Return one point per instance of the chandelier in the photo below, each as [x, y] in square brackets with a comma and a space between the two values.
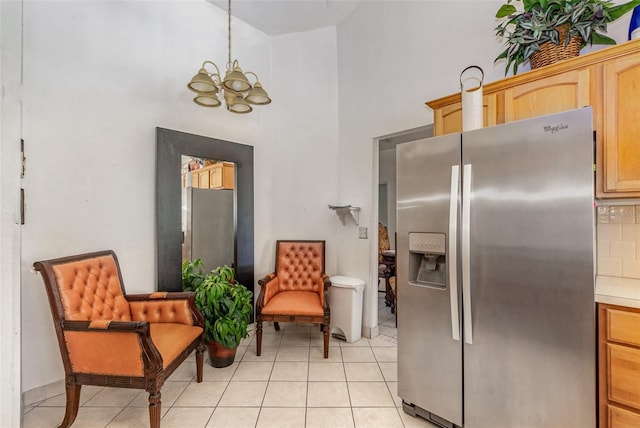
[236, 89]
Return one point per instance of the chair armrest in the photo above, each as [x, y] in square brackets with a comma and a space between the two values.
[160, 295]
[162, 307]
[268, 288]
[326, 282]
[119, 348]
[106, 326]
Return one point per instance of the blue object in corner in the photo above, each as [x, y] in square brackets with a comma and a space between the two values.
[634, 25]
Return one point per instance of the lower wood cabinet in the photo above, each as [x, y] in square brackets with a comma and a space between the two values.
[621, 418]
[619, 366]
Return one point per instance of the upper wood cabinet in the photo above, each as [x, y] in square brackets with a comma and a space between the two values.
[608, 80]
[566, 91]
[449, 118]
[219, 175]
[621, 124]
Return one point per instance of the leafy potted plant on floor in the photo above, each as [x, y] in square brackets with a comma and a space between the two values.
[192, 274]
[546, 31]
[226, 308]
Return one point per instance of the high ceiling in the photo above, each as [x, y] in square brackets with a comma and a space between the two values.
[276, 17]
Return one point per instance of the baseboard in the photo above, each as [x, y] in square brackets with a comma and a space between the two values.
[43, 392]
[370, 332]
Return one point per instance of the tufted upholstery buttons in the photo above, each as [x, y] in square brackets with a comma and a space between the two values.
[90, 290]
[295, 292]
[300, 266]
[161, 311]
[111, 349]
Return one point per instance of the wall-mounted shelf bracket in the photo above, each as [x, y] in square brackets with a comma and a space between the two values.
[346, 210]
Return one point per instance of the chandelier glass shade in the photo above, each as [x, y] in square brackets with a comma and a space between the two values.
[238, 92]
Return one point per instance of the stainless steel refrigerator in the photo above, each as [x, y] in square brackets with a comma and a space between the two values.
[210, 231]
[495, 271]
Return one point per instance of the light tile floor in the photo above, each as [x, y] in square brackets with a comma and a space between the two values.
[289, 385]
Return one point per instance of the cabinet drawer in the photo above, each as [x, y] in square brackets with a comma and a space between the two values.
[623, 327]
[624, 375]
[621, 418]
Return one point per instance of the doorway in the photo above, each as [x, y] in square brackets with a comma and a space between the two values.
[384, 212]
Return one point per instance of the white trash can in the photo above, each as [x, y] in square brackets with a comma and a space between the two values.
[345, 301]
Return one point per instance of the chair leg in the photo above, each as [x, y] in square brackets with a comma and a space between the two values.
[325, 333]
[388, 300]
[393, 301]
[258, 337]
[154, 409]
[199, 361]
[276, 325]
[73, 402]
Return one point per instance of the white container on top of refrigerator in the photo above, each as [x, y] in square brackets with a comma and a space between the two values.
[495, 271]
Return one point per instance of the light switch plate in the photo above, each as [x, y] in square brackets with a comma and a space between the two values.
[363, 232]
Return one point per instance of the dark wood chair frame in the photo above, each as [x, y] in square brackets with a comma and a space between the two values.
[154, 374]
[389, 271]
[324, 321]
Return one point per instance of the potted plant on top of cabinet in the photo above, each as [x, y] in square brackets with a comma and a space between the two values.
[546, 31]
[225, 306]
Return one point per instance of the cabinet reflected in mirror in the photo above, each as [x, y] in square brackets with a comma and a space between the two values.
[170, 147]
[208, 211]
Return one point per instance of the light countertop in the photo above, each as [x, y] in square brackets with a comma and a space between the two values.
[614, 290]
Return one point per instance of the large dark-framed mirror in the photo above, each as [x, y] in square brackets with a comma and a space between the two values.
[170, 147]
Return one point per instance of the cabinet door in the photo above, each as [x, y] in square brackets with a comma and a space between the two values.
[621, 418]
[553, 94]
[624, 375]
[448, 119]
[621, 125]
[216, 177]
[203, 179]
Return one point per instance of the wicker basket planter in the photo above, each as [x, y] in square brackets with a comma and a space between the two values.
[551, 53]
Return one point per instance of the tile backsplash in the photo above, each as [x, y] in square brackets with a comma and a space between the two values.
[618, 237]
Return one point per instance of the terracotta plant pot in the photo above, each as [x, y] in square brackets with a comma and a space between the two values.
[219, 356]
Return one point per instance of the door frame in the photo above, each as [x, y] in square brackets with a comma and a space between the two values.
[384, 142]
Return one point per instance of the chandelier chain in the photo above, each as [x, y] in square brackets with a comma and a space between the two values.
[235, 87]
[229, 65]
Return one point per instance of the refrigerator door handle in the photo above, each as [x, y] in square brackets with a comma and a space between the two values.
[466, 260]
[453, 251]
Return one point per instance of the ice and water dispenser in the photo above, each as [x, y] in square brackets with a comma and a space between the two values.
[427, 259]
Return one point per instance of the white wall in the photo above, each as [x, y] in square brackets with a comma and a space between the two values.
[392, 57]
[300, 164]
[10, 128]
[98, 78]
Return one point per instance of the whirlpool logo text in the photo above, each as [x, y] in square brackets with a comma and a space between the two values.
[555, 128]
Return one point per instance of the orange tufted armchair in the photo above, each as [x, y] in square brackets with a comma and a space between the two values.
[108, 338]
[296, 291]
